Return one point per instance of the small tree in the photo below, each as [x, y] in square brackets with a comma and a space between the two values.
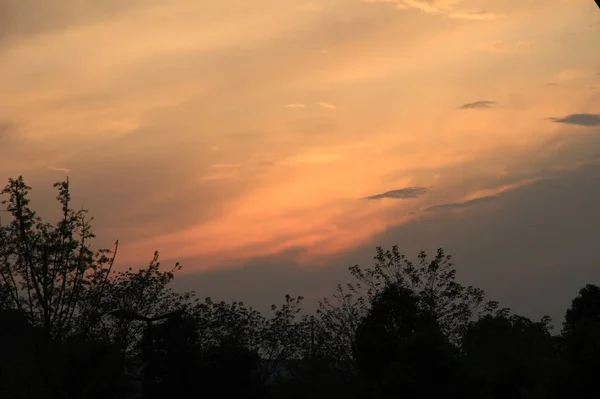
[584, 310]
[145, 292]
[281, 337]
[433, 281]
[399, 348]
[508, 356]
[339, 319]
[49, 272]
[50, 276]
[580, 346]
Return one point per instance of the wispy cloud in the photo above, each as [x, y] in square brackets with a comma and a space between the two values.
[446, 7]
[314, 158]
[474, 15]
[58, 169]
[403, 193]
[6, 130]
[478, 105]
[327, 105]
[579, 119]
[461, 205]
[432, 6]
[503, 47]
[138, 136]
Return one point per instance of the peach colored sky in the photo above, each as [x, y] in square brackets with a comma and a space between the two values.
[231, 129]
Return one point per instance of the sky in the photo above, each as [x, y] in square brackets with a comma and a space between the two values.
[270, 144]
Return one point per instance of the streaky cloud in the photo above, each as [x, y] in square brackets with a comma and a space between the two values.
[432, 7]
[474, 15]
[58, 168]
[7, 129]
[327, 105]
[403, 193]
[579, 119]
[478, 105]
[461, 205]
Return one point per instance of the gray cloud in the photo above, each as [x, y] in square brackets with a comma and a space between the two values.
[532, 252]
[474, 15]
[478, 105]
[34, 17]
[7, 131]
[501, 168]
[403, 193]
[461, 205]
[579, 119]
[261, 281]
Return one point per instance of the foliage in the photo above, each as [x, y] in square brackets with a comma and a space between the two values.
[580, 349]
[18, 360]
[338, 320]
[399, 345]
[275, 339]
[585, 308]
[145, 292]
[49, 271]
[171, 360]
[61, 289]
[508, 356]
[433, 281]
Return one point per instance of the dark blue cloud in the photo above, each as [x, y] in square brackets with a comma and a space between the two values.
[403, 193]
[478, 105]
[579, 119]
[461, 205]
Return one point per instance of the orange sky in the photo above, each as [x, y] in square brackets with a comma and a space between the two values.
[233, 129]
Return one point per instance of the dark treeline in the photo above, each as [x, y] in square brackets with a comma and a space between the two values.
[71, 327]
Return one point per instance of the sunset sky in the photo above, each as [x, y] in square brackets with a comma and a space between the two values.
[269, 144]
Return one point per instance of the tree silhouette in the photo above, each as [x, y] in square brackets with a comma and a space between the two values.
[507, 356]
[584, 310]
[47, 271]
[142, 292]
[231, 370]
[97, 370]
[56, 290]
[580, 346]
[50, 275]
[172, 360]
[433, 281]
[70, 328]
[400, 348]
[19, 376]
